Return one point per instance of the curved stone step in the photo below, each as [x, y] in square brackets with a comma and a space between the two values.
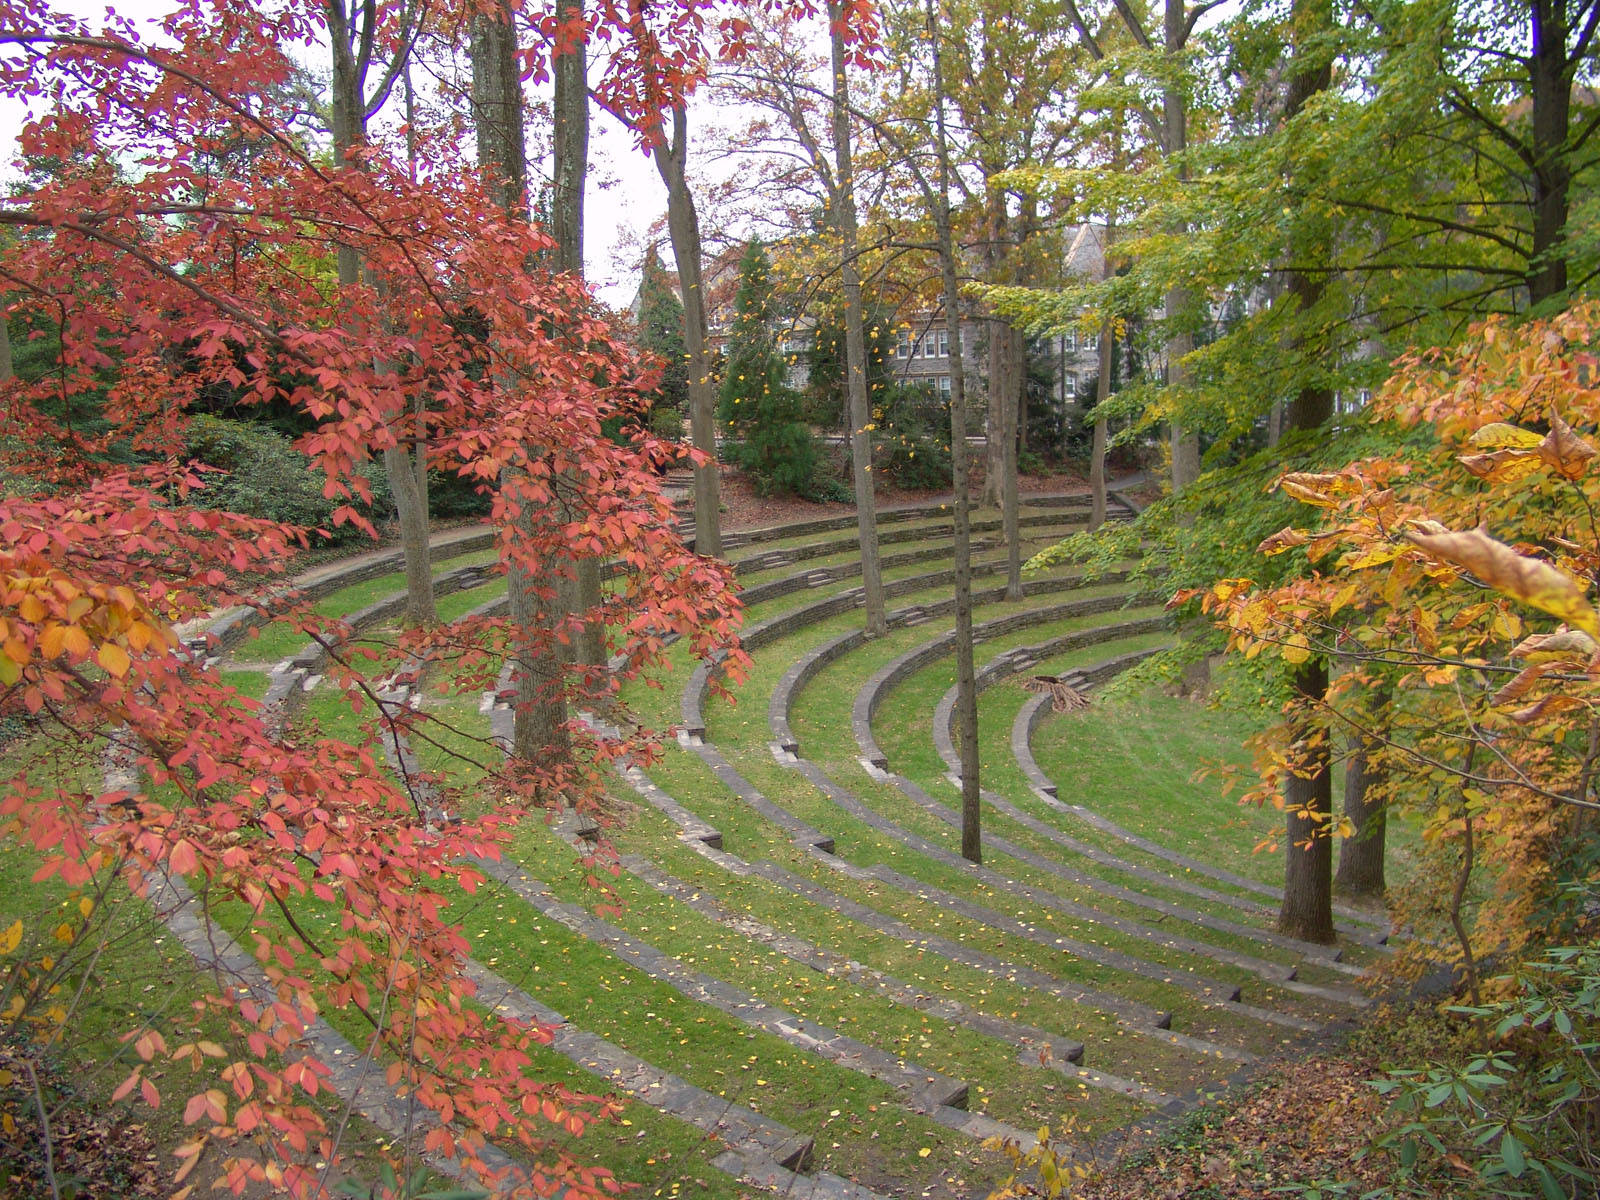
[920, 1089]
[743, 1131]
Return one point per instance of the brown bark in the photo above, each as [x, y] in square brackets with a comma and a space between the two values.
[1007, 364]
[1360, 870]
[1102, 393]
[539, 732]
[855, 339]
[966, 683]
[7, 371]
[570, 110]
[1307, 911]
[671, 155]
[1174, 141]
[1550, 74]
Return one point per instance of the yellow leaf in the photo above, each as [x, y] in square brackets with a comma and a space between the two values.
[1296, 650]
[1323, 490]
[64, 933]
[924, 1152]
[1527, 579]
[1500, 436]
[1503, 466]
[11, 938]
[1507, 625]
[114, 659]
[1284, 540]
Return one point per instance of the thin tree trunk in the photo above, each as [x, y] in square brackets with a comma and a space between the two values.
[966, 683]
[1174, 141]
[1009, 384]
[540, 727]
[855, 338]
[571, 169]
[7, 371]
[1102, 394]
[407, 475]
[683, 225]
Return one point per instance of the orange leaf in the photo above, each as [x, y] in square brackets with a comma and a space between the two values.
[1284, 540]
[1564, 450]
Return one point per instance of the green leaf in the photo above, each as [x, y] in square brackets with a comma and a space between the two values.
[1511, 1154]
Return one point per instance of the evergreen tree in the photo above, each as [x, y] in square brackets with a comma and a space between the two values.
[759, 410]
[661, 333]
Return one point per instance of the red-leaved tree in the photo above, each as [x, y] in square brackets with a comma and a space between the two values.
[175, 234]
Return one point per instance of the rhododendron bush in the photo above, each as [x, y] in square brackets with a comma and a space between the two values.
[176, 232]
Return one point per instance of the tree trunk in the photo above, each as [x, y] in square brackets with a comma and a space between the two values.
[1360, 871]
[966, 682]
[855, 339]
[1006, 380]
[570, 110]
[1551, 101]
[1102, 394]
[406, 467]
[7, 371]
[683, 225]
[540, 729]
[1174, 141]
[1307, 911]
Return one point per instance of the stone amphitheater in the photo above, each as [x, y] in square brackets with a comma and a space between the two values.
[807, 991]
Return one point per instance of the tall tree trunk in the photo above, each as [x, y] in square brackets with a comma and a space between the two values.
[7, 371]
[1360, 870]
[671, 155]
[570, 110]
[1174, 141]
[966, 681]
[855, 338]
[1551, 105]
[540, 727]
[405, 462]
[1307, 911]
[1102, 394]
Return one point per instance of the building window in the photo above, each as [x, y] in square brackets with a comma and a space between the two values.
[902, 348]
[944, 387]
[1069, 340]
[944, 343]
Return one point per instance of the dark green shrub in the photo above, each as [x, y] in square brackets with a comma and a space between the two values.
[912, 439]
[761, 415]
[261, 474]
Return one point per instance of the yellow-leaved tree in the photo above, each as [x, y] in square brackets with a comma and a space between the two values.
[1454, 580]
